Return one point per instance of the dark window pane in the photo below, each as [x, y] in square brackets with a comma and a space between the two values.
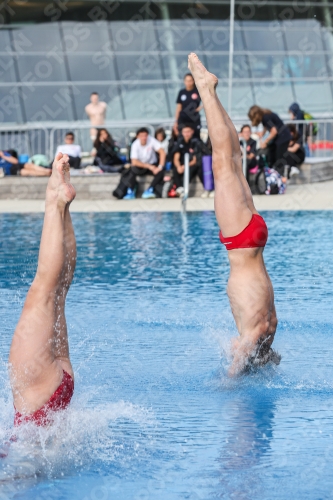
[304, 36]
[48, 103]
[41, 68]
[4, 39]
[91, 67]
[273, 95]
[242, 97]
[327, 40]
[314, 96]
[107, 93]
[175, 66]
[303, 65]
[85, 36]
[219, 65]
[263, 66]
[37, 37]
[179, 37]
[144, 101]
[269, 38]
[218, 39]
[7, 70]
[139, 67]
[138, 36]
[10, 109]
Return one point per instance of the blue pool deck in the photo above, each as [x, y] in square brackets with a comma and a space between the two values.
[154, 415]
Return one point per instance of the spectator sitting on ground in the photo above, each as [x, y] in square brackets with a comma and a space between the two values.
[251, 150]
[144, 161]
[296, 153]
[107, 152]
[278, 138]
[161, 137]
[72, 150]
[9, 165]
[186, 143]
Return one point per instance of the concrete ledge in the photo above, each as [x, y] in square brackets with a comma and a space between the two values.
[314, 170]
[317, 196]
[88, 187]
[100, 187]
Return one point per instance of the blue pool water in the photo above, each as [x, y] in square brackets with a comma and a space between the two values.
[154, 415]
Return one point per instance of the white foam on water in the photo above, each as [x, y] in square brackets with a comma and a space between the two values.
[79, 436]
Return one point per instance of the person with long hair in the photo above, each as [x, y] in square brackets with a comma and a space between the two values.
[278, 138]
[41, 373]
[107, 152]
[243, 232]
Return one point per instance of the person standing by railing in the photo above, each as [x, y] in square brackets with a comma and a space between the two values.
[96, 111]
[188, 107]
[296, 113]
[278, 138]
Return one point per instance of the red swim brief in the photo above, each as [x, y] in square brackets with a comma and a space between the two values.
[254, 235]
[59, 401]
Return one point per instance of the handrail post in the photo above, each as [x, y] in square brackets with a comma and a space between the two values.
[186, 179]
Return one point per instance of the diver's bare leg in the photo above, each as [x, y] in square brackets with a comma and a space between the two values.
[233, 200]
[39, 350]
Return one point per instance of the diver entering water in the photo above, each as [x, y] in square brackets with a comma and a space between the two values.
[243, 232]
[41, 373]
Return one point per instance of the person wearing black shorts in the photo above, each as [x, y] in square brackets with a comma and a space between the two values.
[10, 165]
[188, 107]
[186, 143]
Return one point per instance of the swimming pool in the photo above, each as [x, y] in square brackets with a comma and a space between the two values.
[154, 415]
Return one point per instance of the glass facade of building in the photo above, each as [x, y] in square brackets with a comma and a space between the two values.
[53, 55]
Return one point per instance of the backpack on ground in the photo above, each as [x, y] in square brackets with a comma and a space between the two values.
[274, 182]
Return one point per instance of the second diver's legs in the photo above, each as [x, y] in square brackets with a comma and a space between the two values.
[39, 351]
[233, 200]
[30, 169]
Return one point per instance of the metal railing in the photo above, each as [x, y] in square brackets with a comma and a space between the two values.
[121, 132]
[44, 138]
[25, 139]
[186, 180]
[317, 134]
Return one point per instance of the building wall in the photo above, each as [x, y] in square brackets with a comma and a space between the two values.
[53, 55]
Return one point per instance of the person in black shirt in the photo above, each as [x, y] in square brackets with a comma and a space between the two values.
[188, 107]
[107, 152]
[296, 154]
[186, 143]
[278, 139]
[251, 148]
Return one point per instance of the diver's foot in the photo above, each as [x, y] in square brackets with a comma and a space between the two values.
[203, 79]
[59, 187]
